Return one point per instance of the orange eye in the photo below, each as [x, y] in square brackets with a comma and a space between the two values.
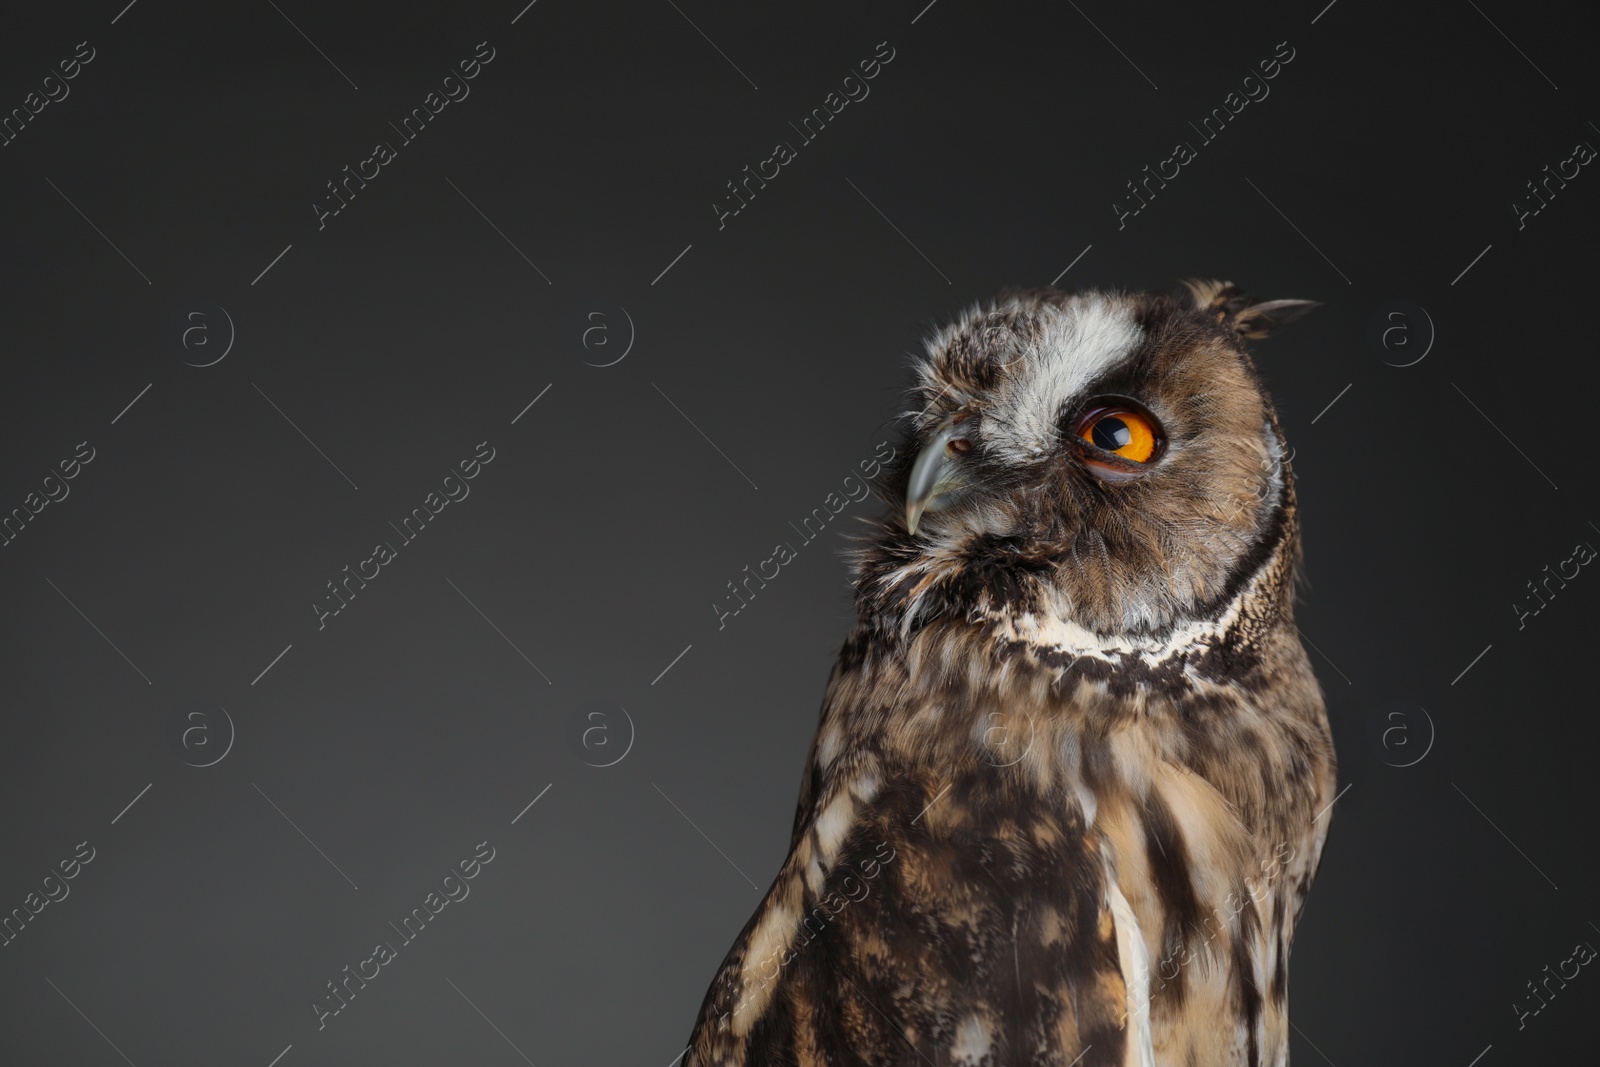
[1122, 431]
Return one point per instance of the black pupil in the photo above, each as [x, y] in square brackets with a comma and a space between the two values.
[1110, 433]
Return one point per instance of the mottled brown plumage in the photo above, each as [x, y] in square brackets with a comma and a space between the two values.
[1068, 792]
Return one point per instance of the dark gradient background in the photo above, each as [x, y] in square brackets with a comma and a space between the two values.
[461, 684]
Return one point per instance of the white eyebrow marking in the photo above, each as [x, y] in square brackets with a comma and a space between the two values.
[1076, 344]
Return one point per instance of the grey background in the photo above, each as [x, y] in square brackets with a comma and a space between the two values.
[413, 327]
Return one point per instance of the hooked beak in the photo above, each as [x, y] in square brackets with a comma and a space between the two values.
[935, 474]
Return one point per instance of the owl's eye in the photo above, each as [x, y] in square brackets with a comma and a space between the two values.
[1121, 428]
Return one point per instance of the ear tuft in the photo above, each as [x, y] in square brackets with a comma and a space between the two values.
[1231, 308]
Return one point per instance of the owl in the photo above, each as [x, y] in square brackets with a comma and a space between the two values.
[1073, 771]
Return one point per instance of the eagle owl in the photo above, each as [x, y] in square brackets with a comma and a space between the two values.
[1070, 785]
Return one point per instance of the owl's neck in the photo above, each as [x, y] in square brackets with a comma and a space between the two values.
[1231, 638]
[1259, 597]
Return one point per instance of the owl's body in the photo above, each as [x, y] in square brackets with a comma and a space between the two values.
[1070, 785]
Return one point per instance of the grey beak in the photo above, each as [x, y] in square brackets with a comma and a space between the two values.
[934, 474]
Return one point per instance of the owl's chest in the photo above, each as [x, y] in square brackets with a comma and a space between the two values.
[1200, 785]
[1203, 805]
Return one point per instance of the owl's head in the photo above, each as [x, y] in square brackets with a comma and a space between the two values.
[1106, 463]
